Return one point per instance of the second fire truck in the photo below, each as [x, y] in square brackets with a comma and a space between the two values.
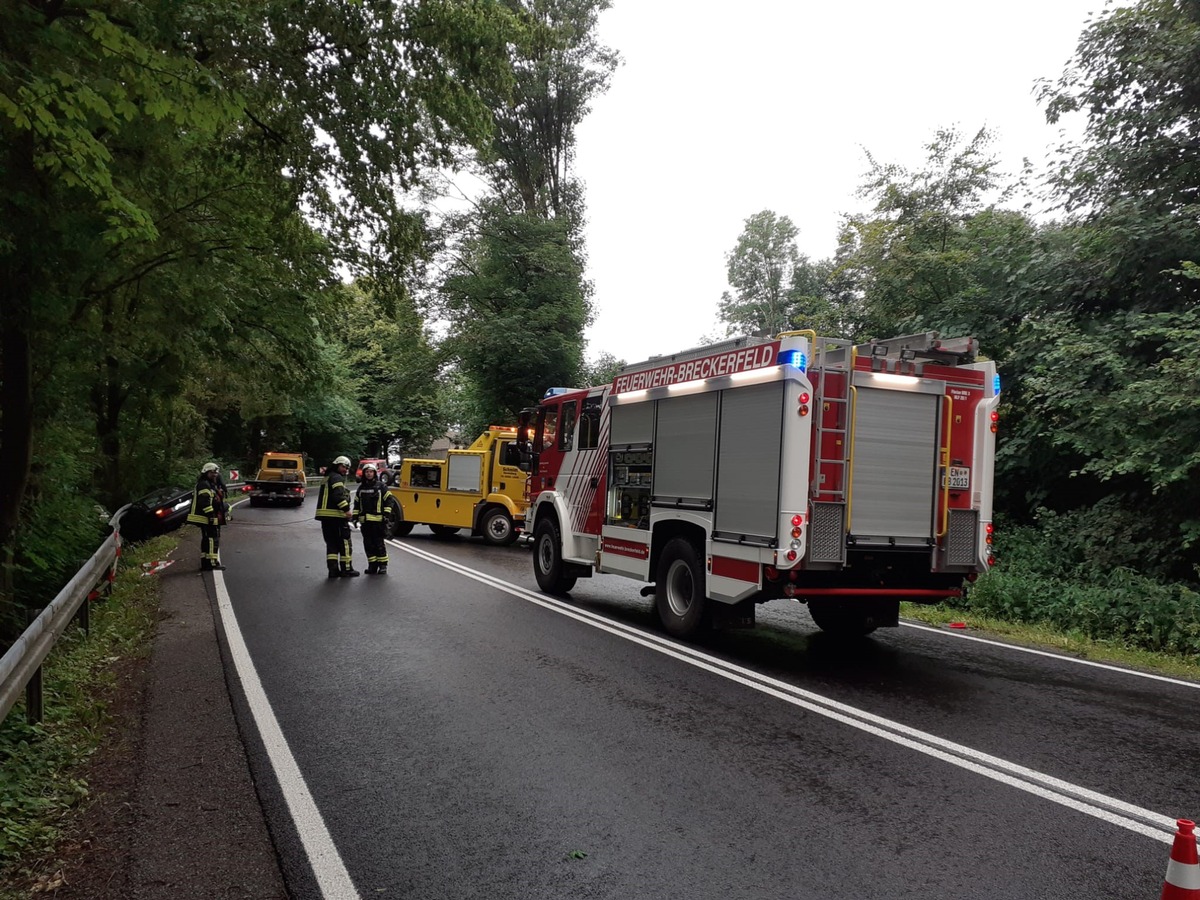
[849, 477]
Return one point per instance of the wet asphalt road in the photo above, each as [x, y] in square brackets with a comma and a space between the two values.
[464, 741]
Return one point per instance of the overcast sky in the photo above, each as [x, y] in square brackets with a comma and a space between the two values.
[769, 105]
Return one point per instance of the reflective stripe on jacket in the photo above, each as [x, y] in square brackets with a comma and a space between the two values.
[371, 501]
[333, 502]
[204, 504]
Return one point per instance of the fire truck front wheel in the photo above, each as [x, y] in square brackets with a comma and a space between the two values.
[548, 565]
[680, 594]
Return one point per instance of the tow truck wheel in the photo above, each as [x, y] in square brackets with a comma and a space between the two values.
[548, 565]
[497, 527]
[395, 526]
[679, 594]
[841, 618]
[254, 501]
[443, 531]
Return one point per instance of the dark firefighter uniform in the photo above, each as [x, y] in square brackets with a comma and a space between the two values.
[205, 512]
[333, 509]
[370, 510]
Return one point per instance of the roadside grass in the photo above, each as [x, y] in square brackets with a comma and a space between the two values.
[1043, 636]
[42, 766]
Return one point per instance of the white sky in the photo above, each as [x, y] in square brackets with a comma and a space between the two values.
[769, 104]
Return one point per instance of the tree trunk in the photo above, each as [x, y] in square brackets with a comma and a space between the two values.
[16, 370]
[108, 398]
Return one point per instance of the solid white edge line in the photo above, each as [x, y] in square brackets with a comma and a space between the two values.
[1071, 659]
[1030, 780]
[330, 872]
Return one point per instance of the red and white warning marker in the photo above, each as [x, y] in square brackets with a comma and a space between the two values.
[153, 568]
[1183, 871]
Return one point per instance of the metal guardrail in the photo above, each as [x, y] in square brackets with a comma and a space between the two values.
[21, 666]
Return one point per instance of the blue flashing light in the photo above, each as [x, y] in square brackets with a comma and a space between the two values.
[996, 386]
[793, 358]
[555, 391]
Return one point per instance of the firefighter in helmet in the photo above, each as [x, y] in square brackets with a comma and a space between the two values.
[206, 512]
[371, 504]
[333, 509]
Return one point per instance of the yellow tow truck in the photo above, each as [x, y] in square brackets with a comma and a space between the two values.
[481, 488]
[280, 479]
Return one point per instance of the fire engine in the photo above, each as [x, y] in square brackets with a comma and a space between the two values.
[845, 476]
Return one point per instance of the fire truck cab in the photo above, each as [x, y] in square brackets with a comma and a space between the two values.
[849, 477]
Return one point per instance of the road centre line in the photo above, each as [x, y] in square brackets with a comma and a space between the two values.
[332, 878]
[1133, 818]
[1195, 685]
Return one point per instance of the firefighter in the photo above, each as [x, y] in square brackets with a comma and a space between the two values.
[205, 512]
[333, 509]
[370, 510]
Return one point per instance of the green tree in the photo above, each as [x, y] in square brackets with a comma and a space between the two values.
[517, 312]
[514, 289]
[394, 369]
[760, 269]
[1100, 424]
[602, 371]
[558, 70]
[157, 153]
[938, 249]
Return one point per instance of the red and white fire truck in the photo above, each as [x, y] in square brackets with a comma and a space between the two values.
[849, 477]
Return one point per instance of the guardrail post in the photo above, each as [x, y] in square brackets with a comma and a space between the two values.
[33, 690]
[85, 612]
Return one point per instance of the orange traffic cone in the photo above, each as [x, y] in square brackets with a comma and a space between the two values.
[1183, 871]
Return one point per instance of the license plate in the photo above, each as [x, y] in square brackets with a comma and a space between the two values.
[959, 478]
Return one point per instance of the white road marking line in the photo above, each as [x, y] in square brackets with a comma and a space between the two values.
[1062, 656]
[332, 878]
[1133, 818]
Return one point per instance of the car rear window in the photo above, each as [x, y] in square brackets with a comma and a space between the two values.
[282, 464]
[162, 496]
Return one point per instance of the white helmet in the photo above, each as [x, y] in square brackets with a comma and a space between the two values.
[369, 467]
[210, 467]
[342, 461]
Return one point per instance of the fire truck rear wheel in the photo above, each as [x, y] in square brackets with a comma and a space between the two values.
[680, 592]
[548, 565]
[840, 618]
[497, 527]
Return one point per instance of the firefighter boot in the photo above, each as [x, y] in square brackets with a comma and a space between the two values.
[334, 572]
[373, 569]
[383, 568]
[350, 573]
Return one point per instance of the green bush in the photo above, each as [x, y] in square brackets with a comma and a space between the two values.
[1046, 577]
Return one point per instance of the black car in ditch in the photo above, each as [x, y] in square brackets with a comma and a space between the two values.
[156, 513]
